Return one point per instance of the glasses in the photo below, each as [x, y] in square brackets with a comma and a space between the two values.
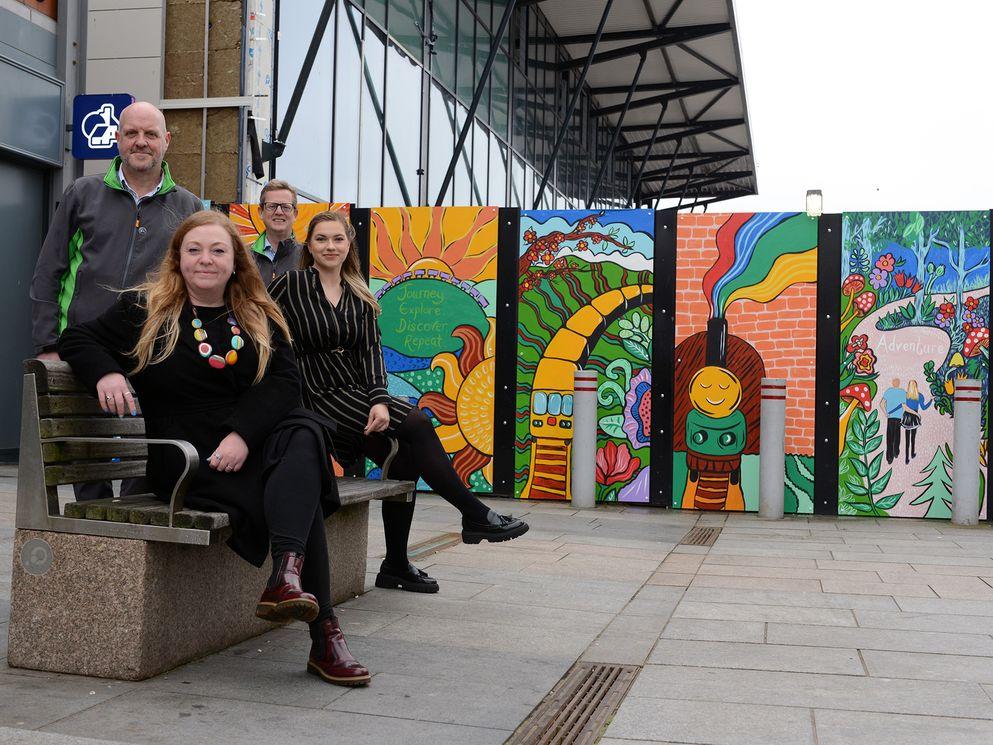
[272, 207]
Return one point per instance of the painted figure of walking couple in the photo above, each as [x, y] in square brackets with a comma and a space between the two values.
[902, 408]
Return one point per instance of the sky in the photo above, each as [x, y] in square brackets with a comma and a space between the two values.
[881, 104]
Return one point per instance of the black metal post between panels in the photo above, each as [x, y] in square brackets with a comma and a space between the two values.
[477, 96]
[648, 150]
[560, 138]
[278, 144]
[683, 192]
[669, 171]
[617, 131]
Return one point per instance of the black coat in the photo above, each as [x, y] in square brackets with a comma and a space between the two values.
[184, 398]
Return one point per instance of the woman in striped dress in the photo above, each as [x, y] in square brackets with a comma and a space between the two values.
[332, 317]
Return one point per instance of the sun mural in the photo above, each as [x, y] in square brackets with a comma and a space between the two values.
[433, 271]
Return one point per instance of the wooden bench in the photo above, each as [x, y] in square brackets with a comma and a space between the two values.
[132, 586]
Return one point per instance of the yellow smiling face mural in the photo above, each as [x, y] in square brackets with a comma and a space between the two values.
[715, 392]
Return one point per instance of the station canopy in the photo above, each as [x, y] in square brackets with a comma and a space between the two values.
[685, 126]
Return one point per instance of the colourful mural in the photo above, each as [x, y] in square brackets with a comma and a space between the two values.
[914, 320]
[434, 272]
[248, 218]
[745, 309]
[585, 300]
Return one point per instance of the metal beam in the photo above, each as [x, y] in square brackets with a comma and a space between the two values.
[691, 129]
[644, 159]
[719, 155]
[652, 175]
[477, 96]
[712, 180]
[690, 89]
[667, 37]
[607, 90]
[574, 99]
[666, 179]
[728, 175]
[272, 150]
[723, 197]
[616, 133]
[705, 60]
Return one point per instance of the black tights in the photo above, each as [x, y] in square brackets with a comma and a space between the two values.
[420, 456]
[292, 502]
[910, 451]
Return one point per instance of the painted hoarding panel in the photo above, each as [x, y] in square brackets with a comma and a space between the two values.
[585, 300]
[745, 309]
[914, 320]
[433, 270]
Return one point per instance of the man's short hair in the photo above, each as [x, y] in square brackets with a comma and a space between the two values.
[278, 185]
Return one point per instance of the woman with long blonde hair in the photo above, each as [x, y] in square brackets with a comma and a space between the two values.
[332, 315]
[208, 354]
[911, 422]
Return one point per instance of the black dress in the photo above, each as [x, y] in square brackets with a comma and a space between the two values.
[184, 398]
[340, 355]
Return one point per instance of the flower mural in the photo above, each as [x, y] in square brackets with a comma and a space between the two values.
[615, 464]
[638, 409]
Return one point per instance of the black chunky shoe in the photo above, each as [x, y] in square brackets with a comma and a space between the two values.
[497, 528]
[410, 579]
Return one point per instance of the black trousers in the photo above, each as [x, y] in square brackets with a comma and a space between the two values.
[892, 439]
[421, 455]
[292, 502]
[105, 489]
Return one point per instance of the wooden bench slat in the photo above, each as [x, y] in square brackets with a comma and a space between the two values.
[353, 490]
[53, 377]
[69, 406]
[78, 473]
[105, 426]
[59, 452]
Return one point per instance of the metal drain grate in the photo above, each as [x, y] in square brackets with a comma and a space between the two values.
[579, 706]
[433, 545]
[700, 537]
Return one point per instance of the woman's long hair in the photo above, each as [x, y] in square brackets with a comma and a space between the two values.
[912, 391]
[351, 270]
[164, 295]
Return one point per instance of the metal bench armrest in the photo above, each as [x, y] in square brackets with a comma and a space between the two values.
[189, 470]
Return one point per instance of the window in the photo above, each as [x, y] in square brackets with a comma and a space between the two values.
[539, 403]
[554, 404]
[498, 173]
[406, 17]
[403, 128]
[348, 82]
[466, 73]
[371, 132]
[443, 26]
[441, 143]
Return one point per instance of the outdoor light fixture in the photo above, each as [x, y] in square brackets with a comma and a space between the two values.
[815, 203]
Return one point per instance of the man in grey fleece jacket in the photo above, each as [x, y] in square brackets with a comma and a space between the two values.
[108, 232]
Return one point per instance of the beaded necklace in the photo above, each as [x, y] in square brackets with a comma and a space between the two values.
[215, 360]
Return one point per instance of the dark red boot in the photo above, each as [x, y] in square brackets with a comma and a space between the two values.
[330, 658]
[285, 600]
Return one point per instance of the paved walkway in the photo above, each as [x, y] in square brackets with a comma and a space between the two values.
[807, 630]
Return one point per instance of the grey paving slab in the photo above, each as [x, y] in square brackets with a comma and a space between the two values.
[756, 583]
[784, 572]
[759, 561]
[453, 700]
[257, 679]
[151, 716]
[947, 605]
[905, 558]
[884, 664]
[744, 656]
[843, 692]
[713, 630]
[883, 619]
[845, 728]
[896, 589]
[780, 613]
[797, 599]
[710, 723]
[464, 636]
[891, 639]
[743, 548]
[619, 649]
[12, 736]
[30, 701]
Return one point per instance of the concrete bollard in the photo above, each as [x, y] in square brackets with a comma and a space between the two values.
[772, 448]
[965, 448]
[584, 440]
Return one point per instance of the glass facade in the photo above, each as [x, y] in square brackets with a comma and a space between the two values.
[390, 91]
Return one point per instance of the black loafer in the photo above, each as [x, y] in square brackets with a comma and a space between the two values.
[497, 528]
[410, 579]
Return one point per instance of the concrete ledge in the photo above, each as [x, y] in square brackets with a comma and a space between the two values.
[128, 609]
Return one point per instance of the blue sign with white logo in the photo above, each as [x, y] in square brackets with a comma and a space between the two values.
[95, 119]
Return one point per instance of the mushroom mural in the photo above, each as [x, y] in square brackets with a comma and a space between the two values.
[977, 340]
[854, 395]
